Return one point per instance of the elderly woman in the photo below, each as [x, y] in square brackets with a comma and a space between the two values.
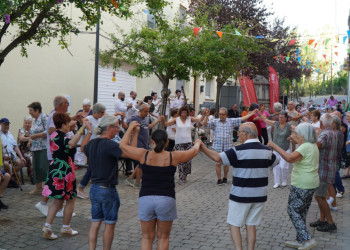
[85, 112]
[157, 205]
[23, 141]
[304, 181]
[281, 131]
[38, 145]
[61, 183]
[183, 138]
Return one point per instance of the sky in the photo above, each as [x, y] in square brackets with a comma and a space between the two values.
[313, 15]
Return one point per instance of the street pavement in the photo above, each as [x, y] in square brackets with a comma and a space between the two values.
[201, 223]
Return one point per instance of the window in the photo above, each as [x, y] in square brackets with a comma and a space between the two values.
[179, 83]
[182, 14]
[207, 88]
[151, 22]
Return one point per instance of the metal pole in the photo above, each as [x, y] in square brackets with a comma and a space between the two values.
[348, 60]
[97, 49]
[332, 69]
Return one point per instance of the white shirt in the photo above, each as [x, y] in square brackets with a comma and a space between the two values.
[156, 106]
[119, 106]
[170, 131]
[131, 111]
[94, 123]
[9, 141]
[183, 131]
[176, 103]
[316, 125]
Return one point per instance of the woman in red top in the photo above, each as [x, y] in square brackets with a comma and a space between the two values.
[255, 119]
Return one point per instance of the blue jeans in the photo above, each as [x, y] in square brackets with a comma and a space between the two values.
[86, 178]
[105, 204]
[338, 183]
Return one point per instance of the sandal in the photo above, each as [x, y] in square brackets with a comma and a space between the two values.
[345, 176]
[68, 231]
[48, 234]
[181, 182]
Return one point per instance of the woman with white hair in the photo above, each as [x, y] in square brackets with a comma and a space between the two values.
[281, 131]
[304, 181]
[85, 112]
[24, 142]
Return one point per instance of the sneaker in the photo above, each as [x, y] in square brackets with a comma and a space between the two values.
[48, 234]
[318, 223]
[340, 195]
[308, 244]
[42, 208]
[333, 208]
[68, 231]
[82, 194]
[329, 201]
[276, 185]
[293, 244]
[224, 181]
[219, 182]
[3, 206]
[327, 227]
[130, 182]
[59, 213]
[137, 185]
[284, 184]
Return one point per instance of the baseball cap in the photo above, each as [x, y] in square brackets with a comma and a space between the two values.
[4, 120]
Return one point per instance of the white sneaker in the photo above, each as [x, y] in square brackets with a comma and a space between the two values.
[276, 185]
[59, 214]
[284, 184]
[308, 244]
[333, 208]
[339, 195]
[329, 201]
[42, 208]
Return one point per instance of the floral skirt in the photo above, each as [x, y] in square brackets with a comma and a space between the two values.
[185, 167]
[60, 182]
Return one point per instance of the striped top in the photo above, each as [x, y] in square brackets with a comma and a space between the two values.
[250, 162]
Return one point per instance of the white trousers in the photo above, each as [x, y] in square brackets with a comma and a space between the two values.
[281, 169]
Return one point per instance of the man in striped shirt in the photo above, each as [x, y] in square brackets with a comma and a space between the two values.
[250, 162]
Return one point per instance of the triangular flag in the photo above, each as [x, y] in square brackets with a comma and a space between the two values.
[237, 33]
[288, 54]
[282, 57]
[299, 58]
[259, 37]
[348, 33]
[219, 33]
[287, 58]
[326, 63]
[274, 40]
[306, 49]
[196, 30]
[327, 40]
[308, 63]
[336, 53]
[315, 45]
[311, 41]
[324, 57]
[275, 57]
[297, 52]
[292, 42]
[344, 39]
[323, 42]
[114, 2]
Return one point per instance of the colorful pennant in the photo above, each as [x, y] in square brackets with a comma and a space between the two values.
[196, 30]
[292, 42]
[237, 33]
[219, 33]
[311, 41]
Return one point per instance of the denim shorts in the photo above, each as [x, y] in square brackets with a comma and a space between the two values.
[105, 204]
[158, 207]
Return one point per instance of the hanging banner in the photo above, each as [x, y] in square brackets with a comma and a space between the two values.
[274, 88]
[248, 91]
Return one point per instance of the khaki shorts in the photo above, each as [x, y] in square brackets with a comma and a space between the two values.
[240, 214]
[322, 189]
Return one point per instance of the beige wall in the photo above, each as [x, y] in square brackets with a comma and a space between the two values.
[50, 71]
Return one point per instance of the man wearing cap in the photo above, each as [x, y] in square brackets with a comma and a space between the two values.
[8, 141]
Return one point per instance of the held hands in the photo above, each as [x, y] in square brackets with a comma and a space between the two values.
[87, 125]
[271, 144]
[133, 126]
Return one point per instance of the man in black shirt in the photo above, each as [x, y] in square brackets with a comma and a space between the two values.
[233, 113]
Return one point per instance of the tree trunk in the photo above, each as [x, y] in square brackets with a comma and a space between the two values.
[219, 83]
[165, 96]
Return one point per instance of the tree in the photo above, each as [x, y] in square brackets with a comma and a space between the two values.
[40, 21]
[164, 51]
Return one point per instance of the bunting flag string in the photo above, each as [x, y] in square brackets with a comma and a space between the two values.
[219, 33]
[311, 41]
[292, 42]
[237, 33]
[196, 30]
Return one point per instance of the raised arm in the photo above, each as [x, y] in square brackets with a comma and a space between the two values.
[215, 156]
[291, 158]
[246, 117]
[169, 123]
[183, 156]
[267, 121]
[128, 151]
[74, 141]
[205, 113]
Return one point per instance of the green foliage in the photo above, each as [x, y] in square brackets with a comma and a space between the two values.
[39, 21]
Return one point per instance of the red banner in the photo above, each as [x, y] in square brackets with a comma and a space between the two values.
[274, 88]
[248, 90]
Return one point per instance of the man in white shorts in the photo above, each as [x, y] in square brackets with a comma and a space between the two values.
[250, 162]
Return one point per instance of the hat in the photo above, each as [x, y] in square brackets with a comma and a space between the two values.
[4, 120]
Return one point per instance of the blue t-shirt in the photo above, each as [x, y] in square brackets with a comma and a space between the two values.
[103, 155]
[142, 140]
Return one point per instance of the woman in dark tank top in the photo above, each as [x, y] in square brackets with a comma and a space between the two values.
[157, 207]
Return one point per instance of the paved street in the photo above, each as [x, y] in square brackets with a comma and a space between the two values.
[202, 208]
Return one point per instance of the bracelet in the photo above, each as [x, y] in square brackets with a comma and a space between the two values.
[90, 132]
[81, 130]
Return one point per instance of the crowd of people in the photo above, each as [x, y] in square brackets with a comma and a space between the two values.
[314, 138]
